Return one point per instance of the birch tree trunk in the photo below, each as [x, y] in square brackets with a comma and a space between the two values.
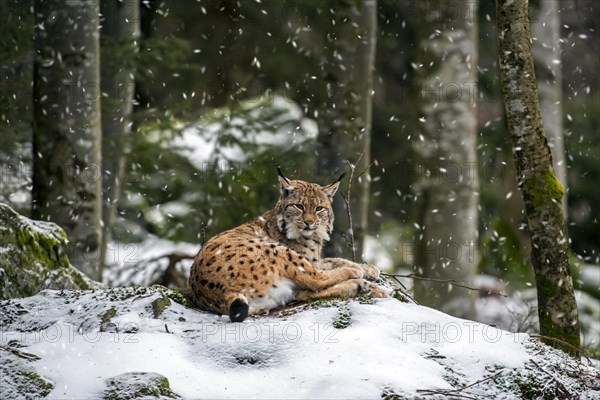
[542, 192]
[120, 35]
[547, 56]
[345, 118]
[66, 143]
[447, 186]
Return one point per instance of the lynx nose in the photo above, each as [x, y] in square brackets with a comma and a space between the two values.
[308, 225]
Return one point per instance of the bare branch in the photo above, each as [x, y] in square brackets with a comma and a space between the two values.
[19, 353]
[455, 393]
[363, 171]
[202, 233]
[560, 387]
[448, 281]
[562, 342]
[346, 198]
[402, 289]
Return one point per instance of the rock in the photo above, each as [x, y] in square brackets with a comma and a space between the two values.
[18, 380]
[33, 257]
[138, 385]
[109, 344]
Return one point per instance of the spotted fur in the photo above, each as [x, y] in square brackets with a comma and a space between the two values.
[276, 258]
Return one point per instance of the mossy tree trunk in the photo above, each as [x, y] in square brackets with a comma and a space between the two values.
[542, 192]
[346, 113]
[120, 43]
[66, 145]
[546, 55]
[447, 184]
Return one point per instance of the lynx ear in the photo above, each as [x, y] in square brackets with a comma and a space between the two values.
[332, 188]
[285, 185]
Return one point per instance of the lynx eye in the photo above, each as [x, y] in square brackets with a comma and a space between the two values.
[319, 208]
[299, 207]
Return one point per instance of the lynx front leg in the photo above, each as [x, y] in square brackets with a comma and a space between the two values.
[350, 288]
[307, 277]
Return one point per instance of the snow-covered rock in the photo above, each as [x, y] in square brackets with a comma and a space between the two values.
[33, 257]
[136, 385]
[90, 343]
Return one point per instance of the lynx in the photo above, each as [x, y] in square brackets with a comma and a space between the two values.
[276, 258]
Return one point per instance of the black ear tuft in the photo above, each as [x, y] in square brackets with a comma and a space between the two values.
[281, 174]
[285, 184]
[333, 187]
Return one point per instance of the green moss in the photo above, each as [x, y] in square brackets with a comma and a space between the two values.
[35, 258]
[18, 377]
[321, 303]
[530, 386]
[401, 297]
[180, 296]
[343, 319]
[160, 305]
[108, 315]
[550, 188]
[137, 385]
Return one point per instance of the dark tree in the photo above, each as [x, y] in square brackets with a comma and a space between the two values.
[346, 113]
[66, 144]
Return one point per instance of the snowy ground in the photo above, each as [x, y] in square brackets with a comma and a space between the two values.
[146, 263]
[338, 349]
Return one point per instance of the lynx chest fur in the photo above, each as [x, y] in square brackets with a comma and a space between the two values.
[276, 258]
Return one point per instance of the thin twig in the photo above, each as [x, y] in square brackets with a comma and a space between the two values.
[562, 342]
[398, 281]
[449, 281]
[347, 201]
[403, 292]
[202, 233]
[19, 353]
[445, 392]
[456, 392]
[364, 170]
[346, 239]
[559, 385]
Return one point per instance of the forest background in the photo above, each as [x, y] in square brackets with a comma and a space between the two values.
[211, 96]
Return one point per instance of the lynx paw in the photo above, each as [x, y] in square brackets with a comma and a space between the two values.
[371, 290]
[370, 271]
[377, 292]
[364, 288]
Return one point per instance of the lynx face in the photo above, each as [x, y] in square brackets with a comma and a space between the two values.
[304, 209]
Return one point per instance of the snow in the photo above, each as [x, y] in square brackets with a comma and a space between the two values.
[389, 344]
[375, 253]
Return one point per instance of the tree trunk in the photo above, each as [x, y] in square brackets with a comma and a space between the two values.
[447, 186]
[546, 54]
[120, 36]
[66, 144]
[345, 119]
[542, 192]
